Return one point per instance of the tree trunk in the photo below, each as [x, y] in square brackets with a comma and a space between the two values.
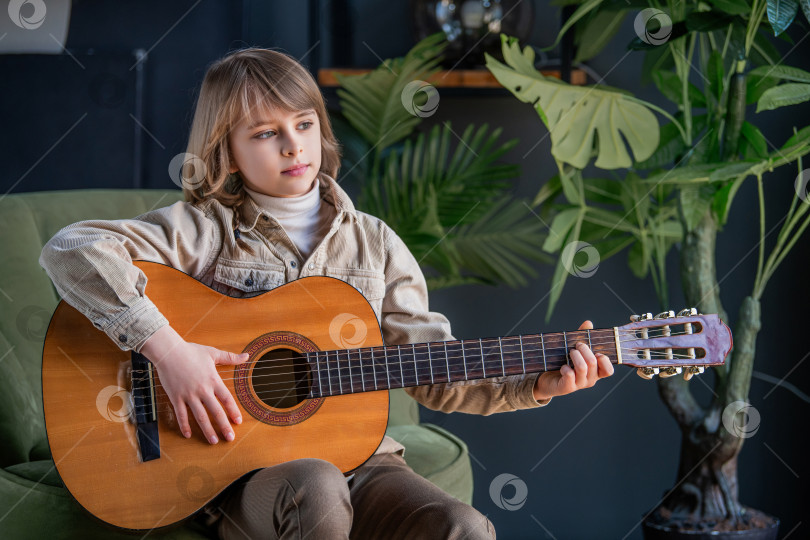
[706, 485]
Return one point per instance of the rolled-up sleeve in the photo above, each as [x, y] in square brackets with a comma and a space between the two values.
[406, 318]
[90, 264]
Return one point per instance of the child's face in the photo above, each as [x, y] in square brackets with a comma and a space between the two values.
[271, 141]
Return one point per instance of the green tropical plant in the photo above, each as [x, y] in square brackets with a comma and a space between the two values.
[446, 195]
[677, 192]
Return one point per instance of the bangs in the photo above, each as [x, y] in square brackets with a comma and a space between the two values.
[256, 94]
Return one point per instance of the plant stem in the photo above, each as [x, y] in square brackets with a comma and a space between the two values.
[793, 216]
[783, 254]
[761, 259]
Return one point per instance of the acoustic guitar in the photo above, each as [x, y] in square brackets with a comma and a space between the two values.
[315, 386]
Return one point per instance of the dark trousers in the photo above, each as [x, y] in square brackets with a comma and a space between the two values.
[311, 499]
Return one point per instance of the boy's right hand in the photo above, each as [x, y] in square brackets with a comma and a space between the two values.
[189, 376]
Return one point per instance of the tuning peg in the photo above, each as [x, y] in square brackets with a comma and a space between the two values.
[665, 315]
[692, 370]
[647, 373]
[669, 372]
[688, 312]
[642, 317]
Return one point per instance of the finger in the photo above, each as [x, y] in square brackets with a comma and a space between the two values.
[201, 415]
[567, 374]
[590, 361]
[218, 415]
[226, 399]
[587, 325]
[181, 413]
[230, 358]
[580, 368]
[605, 365]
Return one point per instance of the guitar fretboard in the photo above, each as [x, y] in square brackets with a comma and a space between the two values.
[368, 369]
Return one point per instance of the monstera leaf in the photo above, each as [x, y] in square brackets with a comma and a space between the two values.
[581, 119]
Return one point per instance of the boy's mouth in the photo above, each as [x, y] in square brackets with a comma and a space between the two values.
[296, 170]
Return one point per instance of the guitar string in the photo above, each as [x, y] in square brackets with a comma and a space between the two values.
[383, 360]
[337, 379]
[422, 348]
[335, 361]
[391, 351]
[625, 335]
[292, 389]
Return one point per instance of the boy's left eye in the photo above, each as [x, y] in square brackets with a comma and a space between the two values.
[261, 135]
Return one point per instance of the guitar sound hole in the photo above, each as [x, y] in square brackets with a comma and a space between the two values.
[281, 378]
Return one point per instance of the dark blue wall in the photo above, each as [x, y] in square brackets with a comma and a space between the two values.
[594, 462]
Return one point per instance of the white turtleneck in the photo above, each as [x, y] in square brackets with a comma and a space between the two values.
[303, 218]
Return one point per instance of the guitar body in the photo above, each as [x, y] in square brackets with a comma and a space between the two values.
[86, 384]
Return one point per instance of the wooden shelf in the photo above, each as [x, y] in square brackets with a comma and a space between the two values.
[458, 78]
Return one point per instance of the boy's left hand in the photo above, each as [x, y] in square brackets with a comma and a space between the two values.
[588, 368]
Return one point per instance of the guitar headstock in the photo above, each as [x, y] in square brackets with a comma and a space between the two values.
[669, 344]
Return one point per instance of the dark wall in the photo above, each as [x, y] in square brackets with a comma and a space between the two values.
[594, 462]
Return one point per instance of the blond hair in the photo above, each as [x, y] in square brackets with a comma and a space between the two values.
[234, 87]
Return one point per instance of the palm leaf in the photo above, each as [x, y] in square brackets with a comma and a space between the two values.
[372, 102]
[499, 244]
[425, 189]
[442, 202]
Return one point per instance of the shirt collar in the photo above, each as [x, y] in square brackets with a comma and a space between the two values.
[331, 193]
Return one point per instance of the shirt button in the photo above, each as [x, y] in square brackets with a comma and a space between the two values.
[122, 338]
[311, 266]
[292, 263]
[249, 282]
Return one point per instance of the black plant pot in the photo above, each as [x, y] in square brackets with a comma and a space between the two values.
[661, 532]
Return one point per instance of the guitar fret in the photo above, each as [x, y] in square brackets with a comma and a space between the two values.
[387, 370]
[447, 360]
[464, 359]
[373, 367]
[565, 340]
[401, 372]
[362, 373]
[349, 365]
[522, 356]
[318, 368]
[483, 363]
[542, 346]
[503, 367]
[399, 359]
[415, 367]
[329, 374]
[430, 363]
[340, 376]
[589, 340]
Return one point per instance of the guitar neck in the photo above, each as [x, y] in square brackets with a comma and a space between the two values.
[349, 371]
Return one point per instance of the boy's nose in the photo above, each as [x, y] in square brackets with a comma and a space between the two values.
[293, 150]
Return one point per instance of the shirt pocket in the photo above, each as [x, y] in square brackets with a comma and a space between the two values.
[369, 283]
[248, 278]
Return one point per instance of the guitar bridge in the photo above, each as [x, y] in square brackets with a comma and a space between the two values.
[145, 404]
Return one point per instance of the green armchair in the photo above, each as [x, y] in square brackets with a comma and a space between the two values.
[33, 501]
